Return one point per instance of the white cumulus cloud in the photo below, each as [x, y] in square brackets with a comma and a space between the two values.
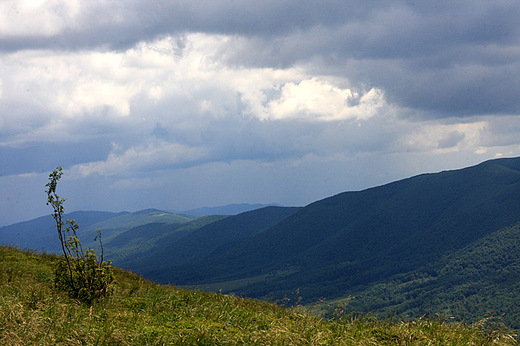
[19, 18]
[313, 99]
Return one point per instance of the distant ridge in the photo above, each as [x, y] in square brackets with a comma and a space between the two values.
[40, 233]
[230, 209]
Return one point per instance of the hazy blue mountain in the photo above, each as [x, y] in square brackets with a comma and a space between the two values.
[230, 209]
[40, 233]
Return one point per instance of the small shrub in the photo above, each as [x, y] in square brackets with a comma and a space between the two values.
[80, 273]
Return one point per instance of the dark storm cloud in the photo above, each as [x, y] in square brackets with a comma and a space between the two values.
[455, 58]
[44, 157]
[375, 29]
[165, 98]
[119, 25]
[436, 59]
[441, 58]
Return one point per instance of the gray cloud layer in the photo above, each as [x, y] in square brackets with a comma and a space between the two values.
[451, 58]
[305, 96]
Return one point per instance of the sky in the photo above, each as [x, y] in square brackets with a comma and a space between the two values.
[182, 104]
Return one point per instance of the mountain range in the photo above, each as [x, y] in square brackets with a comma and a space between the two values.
[229, 209]
[445, 242]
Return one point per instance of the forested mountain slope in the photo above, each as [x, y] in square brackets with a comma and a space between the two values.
[211, 238]
[353, 241]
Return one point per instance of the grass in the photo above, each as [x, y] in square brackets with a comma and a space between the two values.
[139, 312]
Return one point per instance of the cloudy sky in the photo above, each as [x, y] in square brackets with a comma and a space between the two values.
[187, 103]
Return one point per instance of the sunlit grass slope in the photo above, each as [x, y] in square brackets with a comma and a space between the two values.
[142, 313]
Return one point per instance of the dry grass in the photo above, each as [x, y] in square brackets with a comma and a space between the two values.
[32, 312]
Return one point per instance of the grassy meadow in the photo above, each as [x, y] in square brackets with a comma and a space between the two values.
[140, 312]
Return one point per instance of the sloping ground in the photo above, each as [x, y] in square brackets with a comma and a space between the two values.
[142, 313]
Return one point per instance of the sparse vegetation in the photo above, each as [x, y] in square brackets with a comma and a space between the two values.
[33, 312]
[80, 273]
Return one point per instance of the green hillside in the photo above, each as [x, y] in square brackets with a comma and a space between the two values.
[407, 234]
[139, 312]
[134, 244]
[205, 239]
